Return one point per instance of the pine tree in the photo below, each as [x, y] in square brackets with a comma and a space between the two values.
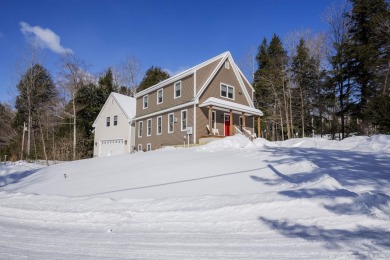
[37, 96]
[370, 51]
[152, 76]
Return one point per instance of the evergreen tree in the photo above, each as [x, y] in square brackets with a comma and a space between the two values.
[37, 96]
[106, 83]
[152, 76]
[369, 50]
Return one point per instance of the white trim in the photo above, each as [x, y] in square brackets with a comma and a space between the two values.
[162, 96]
[147, 101]
[247, 81]
[125, 112]
[148, 147]
[181, 120]
[139, 147]
[215, 119]
[246, 94]
[174, 89]
[207, 82]
[194, 128]
[167, 110]
[159, 117]
[195, 83]
[147, 127]
[140, 129]
[224, 123]
[225, 104]
[173, 123]
[227, 91]
[180, 75]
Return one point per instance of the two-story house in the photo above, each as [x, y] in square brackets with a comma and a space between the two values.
[211, 99]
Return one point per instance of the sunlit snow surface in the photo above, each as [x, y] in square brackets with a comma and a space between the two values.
[231, 199]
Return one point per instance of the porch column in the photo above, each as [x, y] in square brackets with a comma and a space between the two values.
[231, 123]
[210, 120]
[243, 119]
[258, 128]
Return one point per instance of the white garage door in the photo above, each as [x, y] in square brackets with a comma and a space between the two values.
[111, 147]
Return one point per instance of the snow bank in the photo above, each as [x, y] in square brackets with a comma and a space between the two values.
[230, 142]
[375, 143]
[261, 142]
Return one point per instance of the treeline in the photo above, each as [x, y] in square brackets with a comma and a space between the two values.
[336, 83]
[53, 119]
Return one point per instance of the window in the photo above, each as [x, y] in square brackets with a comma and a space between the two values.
[139, 147]
[159, 96]
[183, 120]
[115, 120]
[227, 65]
[170, 122]
[140, 126]
[108, 121]
[227, 91]
[148, 147]
[177, 89]
[149, 127]
[146, 101]
[159, 125]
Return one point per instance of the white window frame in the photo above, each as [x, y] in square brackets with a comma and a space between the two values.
[108, 121]
[173, 122]
[174, 89]
[139, 147]
[148, 147]
[115, 123]
[147, 101]
[149, 127]
[140, 126]
[181, 120]
[159, 118]
[227, 91]
[162, 96]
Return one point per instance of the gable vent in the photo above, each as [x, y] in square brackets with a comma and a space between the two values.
[227, 65]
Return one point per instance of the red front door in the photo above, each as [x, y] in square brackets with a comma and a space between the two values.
[227, 125]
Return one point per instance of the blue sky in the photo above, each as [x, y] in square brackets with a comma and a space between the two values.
[173, 35]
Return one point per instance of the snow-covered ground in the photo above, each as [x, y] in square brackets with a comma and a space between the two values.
[231, 199]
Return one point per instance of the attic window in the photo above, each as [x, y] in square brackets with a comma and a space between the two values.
[115, 120]
[227, 65]
[108, 121]
[227, 91]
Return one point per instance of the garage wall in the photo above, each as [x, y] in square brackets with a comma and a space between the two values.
[120, 131]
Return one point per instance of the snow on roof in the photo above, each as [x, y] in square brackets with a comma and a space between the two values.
[127, 104]
[212, 101]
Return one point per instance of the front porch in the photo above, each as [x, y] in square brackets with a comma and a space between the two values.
[226, 118]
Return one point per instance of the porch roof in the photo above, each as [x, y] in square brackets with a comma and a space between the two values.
[212, 101]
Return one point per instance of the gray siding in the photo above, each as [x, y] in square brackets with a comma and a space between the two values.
[226, 76]
[204, 73]
[165, 139]
[187, 93]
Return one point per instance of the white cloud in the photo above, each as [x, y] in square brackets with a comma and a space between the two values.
[44, 38]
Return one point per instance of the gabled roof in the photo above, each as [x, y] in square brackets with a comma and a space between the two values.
[212, 101]
[127, 105]
[181, 75]
[221, 58]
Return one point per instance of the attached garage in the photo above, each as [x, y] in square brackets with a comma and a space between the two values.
[111, 147]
